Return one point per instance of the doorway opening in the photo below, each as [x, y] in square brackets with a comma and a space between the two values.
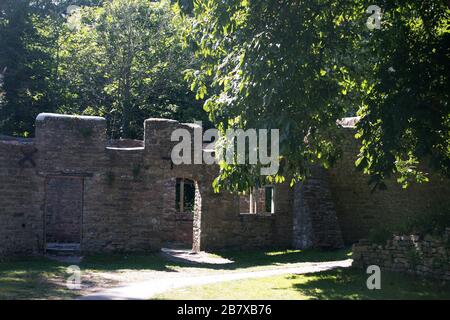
[63, 213]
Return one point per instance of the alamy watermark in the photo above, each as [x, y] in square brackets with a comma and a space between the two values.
[74, 280]
[374, 280]
[374, 20]
[230, 148]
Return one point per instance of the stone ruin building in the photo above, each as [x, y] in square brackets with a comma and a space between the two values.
[70, 187]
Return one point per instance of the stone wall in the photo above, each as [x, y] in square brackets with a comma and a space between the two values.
[217, 223]
[124, 194]
[21, 199]
[128, 192]
[223, 226]
[314, 214]
[428, 256]
[359, 209]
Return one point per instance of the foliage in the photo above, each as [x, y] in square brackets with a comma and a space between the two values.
[405, 113]
[119, 59]
[129, 67]
[27, 68]
[265, 77]
[297, 66]
[301, 65]
[338, 284]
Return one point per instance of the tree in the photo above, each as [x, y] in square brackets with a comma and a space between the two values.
[29, 33]
[27, 68]
[125, 61]
[120, 59]
[405, 115]
[278, 64]
[301, 65]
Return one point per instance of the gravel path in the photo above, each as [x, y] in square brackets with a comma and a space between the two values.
[147, 289]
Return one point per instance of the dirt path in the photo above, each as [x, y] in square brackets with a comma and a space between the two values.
[147, 289]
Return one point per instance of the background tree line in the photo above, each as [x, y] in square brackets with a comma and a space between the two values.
[121, 59]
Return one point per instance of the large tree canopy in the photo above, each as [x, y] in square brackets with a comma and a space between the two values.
[300, 65]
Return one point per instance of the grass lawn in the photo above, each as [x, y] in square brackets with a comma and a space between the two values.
[334, 284]
[33, 278]
[41, 278]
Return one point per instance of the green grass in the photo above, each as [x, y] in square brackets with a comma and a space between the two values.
[335, 284]
[242, 260]
[41, 278]
[33, 278]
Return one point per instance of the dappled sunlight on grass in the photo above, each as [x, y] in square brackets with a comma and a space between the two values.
[351, 284]
[33, 278]
[41, 278]
[348, 284]
[256, 259]
[279, 253]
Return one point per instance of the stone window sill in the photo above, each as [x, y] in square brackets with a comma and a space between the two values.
[186, 216]
[264, 214]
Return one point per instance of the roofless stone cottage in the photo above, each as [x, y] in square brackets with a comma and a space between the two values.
[70, 185]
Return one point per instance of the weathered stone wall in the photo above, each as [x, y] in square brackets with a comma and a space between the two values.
[217, 221]
[21, 199]
[122, 209]
[223, 226]
[129, 191]
[314, 214]
[428, 256]
[359, 209]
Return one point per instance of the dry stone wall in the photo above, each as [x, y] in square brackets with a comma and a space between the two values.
[427, 256]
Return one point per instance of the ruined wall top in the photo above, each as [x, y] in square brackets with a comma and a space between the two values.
[58, 129]
[49, 116]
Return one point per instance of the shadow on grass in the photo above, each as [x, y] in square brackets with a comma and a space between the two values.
[114, 262]
[343, 284]
[241, 260]
[33, 278]
[41, 278]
